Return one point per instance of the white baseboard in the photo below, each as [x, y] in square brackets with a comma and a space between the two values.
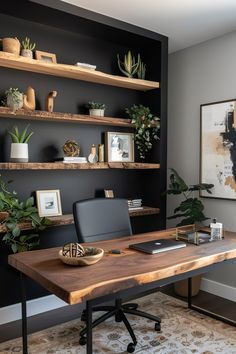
[219, 289]
[34, 307]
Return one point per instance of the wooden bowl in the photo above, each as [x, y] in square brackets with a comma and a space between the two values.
[83, 260]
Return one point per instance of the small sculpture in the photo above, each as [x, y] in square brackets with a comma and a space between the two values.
[73, 249]
[71, 148]
[29, 99]
[93, 157]
[50, 101]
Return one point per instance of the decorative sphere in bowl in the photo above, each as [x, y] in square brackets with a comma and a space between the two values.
[91, 255]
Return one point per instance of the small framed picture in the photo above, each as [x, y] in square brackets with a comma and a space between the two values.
[44, 56]
[49, 202]
[109, 193]
[119, 147]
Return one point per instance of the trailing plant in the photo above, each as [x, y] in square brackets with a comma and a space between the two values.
[20, 212]
[147, 127]
[26, 44]
[129, 66]
[141, 71]
[95, 105]
[22, 138]
[191, 208]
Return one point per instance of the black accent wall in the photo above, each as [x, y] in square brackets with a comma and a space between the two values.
[96, 40]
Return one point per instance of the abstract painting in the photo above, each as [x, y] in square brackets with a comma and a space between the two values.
[218, 148]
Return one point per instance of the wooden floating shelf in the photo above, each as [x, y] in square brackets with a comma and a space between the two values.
[12, 61]
[69, 220]
[64, 117]
[77, 166]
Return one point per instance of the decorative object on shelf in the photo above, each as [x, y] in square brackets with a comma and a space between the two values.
[71, 148]
[73, 249]
[119, 147]
[96, 109]
[49, 202]
[93, 157]
[194, 234]
[141, 72]
[13, 99]
[46, 57]
[28, 47]
[135, 204]
[86, 66]
[11, 45]
[19, 145]
[29, 99]
[50, 101]
[190, 209]
[216, 230]
[147, 127]
[129, 66]
[101, 153]
[218, 148]
[18, 212]
[91, 256]
[108, 193]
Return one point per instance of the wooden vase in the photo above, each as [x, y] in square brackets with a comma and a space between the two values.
[11, 45]
[181, 287]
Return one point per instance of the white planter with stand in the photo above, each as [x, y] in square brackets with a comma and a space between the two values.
[97, 112]
[19, 152]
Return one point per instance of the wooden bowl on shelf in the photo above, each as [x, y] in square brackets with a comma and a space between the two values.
[92, 256]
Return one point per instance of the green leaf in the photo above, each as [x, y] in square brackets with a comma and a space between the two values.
[29, 202]
[16, 231]
[14, 247]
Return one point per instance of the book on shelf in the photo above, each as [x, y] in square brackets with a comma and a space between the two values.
[72, 159]
[135, 204]
[135, 208]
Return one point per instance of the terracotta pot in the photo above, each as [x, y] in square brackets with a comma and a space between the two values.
[3, 216]
[181, 287]
[11, 45]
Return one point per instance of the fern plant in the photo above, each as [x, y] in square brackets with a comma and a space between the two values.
[20, 138]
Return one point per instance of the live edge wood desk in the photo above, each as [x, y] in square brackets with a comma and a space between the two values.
[114, 274]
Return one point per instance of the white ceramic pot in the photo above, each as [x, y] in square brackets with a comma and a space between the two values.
[19, 152]
[27, 53]
[96, 112]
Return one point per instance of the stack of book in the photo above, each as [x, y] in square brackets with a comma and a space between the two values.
[73, 159]
[135, 204]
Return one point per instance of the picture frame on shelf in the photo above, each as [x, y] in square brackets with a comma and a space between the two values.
[49, 203]
[119, 147]
[46, 57]
[218, 149]
[108, 193]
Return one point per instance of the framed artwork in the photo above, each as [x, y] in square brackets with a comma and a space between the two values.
[47, 57]
[119, 147]
[218, 148]
[108, 193]
[49, 202]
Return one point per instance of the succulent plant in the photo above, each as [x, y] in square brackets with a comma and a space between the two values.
[13, 99]
[27, 45]
[95, 105]
[129, 66]
[19, 138]
[141, 72]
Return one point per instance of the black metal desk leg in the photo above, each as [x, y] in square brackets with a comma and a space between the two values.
[24, 314]
[189, 293]
[89, 327]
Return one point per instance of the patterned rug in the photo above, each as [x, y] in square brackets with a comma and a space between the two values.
[183, 332]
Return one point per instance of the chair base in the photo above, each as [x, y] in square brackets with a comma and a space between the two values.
[119, 311]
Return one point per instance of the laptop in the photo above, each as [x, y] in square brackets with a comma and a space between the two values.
[158, 246]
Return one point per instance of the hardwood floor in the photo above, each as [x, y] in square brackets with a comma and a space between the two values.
[48, 319]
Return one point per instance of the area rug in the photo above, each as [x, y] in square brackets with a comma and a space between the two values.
[183, 332]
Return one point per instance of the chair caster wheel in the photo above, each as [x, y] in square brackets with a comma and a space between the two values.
[83, 340]
[131, 348]
[83, 316]
[157, 327]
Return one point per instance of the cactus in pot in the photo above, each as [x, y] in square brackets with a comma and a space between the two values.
[28, 48]
[13, 99]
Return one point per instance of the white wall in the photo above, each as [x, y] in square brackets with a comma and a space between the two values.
[200, 74]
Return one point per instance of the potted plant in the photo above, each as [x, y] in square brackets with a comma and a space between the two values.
[129, 66]
[11, 45]
[13, 99]
[28, 47]
[191, 211]
[20, 212]
[19, 145]
[146, 126]
[96, 109]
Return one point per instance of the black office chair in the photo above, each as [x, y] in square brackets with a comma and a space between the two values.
[105, 219]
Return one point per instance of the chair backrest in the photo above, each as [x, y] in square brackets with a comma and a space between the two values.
[101, 219]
